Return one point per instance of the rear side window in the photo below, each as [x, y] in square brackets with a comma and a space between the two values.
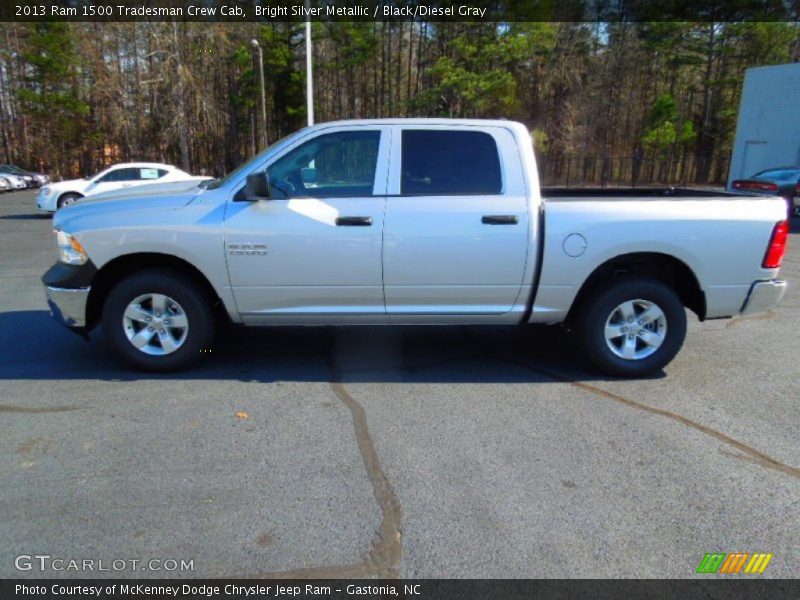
[449, 162]
[149, 173]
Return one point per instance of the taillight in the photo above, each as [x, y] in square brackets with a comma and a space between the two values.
[777, 245]
[759, 186]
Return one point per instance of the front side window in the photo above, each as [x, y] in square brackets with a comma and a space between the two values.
[110, 176]
[335, 164]
[439, 162]
[126, 174]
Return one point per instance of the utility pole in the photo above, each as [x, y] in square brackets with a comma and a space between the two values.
[309, 74]
[254, 43]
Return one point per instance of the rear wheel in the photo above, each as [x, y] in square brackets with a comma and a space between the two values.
[632, 326]
[68, 199]
[158, 320]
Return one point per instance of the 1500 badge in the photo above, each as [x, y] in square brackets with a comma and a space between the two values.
[247, 249]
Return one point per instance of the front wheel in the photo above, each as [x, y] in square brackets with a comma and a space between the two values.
[68, 199]
[158, 320]
[632, 326]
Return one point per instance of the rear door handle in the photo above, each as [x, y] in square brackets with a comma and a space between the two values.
[500, 219]
[353, 221]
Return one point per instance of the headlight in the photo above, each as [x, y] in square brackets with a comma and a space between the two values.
[69, 249]
[45, 190]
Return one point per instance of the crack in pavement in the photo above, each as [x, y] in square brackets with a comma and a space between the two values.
[37, 410]
[386, 546]
[750, 453]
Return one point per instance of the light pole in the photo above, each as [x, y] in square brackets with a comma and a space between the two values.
[254, 43]
[309, 75]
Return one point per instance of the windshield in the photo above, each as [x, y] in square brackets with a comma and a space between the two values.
[778, 174]
[258, 158]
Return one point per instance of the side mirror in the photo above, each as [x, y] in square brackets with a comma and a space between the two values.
[257, 187]
[308, 175]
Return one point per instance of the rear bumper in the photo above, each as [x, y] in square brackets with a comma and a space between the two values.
[68, 306]
[763, 296]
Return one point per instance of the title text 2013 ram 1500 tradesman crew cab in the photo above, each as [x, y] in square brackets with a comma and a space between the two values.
[410, 221]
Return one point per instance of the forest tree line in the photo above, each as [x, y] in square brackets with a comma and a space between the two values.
[599, 98]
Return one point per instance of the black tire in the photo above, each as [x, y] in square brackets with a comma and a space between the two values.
[598, 308]
[194, 301]
[68, 199]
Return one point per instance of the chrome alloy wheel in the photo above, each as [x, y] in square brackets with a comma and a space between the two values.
[635, 329]
[155, 324]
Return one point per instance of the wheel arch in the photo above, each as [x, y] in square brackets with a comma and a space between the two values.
[664, 267]
[123, 266]
[69, 193]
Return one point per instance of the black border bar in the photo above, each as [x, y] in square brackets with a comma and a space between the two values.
[243, 11]
[732, 588]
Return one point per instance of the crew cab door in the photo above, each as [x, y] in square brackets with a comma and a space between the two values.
[312, 252]
[457, 225]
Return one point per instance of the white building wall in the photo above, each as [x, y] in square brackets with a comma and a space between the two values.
[768, 130]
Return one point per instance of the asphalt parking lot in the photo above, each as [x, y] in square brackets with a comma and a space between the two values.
[419, 452]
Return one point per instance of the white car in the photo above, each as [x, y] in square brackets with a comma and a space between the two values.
[55, 195]
[17, 182]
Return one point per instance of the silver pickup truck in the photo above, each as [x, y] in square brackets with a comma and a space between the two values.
[410, 221]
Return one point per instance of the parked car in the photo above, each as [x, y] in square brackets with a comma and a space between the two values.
[55, 195]
[16, 181]
[31, 179]
[5, 185]
[411, 221]
[781, 181]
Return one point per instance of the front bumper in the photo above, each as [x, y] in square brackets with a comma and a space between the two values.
[67, 288]
[763, 296]
[68, 306]
[43, 203]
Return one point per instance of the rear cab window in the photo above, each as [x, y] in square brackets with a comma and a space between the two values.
[439, 162]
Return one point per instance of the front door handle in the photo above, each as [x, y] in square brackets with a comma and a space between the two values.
[500, 220]
[353, 221]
